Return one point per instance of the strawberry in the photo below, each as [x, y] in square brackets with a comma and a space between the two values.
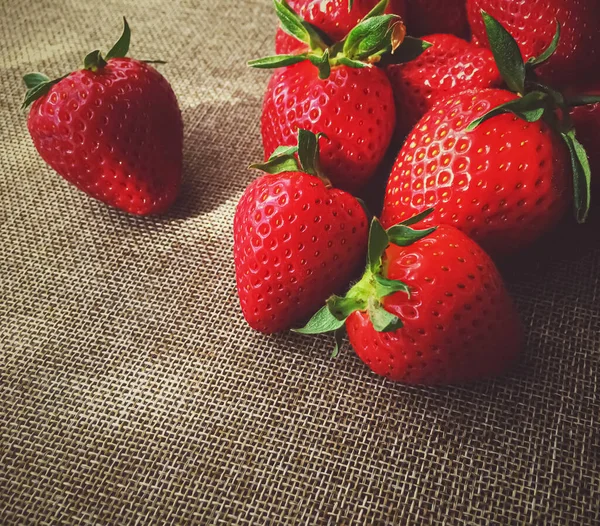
[296, 239]
[355, 107]
[113, 129]
[504, 183]
[430, 309]
[337, 91]
[494, 164]
[533, 23]
[335, 18]
[437, 16]
[450, 65]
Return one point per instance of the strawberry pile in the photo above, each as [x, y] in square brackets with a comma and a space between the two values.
[491, 109]
[490, 134]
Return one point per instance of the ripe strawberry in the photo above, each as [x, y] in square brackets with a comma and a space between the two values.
[437, 16]
[336, 90]
[433, 310]
[354, 107]
[492, 163]
[504, 183]
[113, 129]
[333, 17]
[296, 240]
[450, 65]
[533, 24]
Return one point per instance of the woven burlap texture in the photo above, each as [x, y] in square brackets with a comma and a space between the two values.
[132, 391]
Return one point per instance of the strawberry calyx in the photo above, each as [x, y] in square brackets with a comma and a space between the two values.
[95, 61]
[539, 101]
[376, 37]
[368, 293]
[303, 157]
[38, 84]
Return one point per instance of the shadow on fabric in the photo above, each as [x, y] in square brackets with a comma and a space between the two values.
[221, 141]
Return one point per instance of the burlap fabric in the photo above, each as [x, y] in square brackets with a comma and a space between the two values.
[132, 391]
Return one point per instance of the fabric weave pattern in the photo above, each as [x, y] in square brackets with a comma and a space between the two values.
[133, 391]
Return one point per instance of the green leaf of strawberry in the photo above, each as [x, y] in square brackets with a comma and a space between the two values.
[404, 236]
[418, 218]
[281, 160]
[548, 52]
[39, 84]
[530, 108]
[410, 49]
[581, 100]
[386, 287]
[94, 61]
[342, 306]
[581, 175]
[322, 322]
[378, 10]
[507, 54]
[382, 320]
[369, 37]
[378, 242]
[322, 63]
[376, 36]
[301, 158]
[277, 61]
[308, 151]
[338, 336]
[345, 61]
[556, 96]
[121, 47]
[293, 25]
[33, 80]
[367, 294]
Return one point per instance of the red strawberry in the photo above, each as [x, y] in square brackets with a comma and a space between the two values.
[503, 179]
[296, 241]
[354, 107]
[113, 129]
[533, 24]
[504, 184]
[437, 16]
[333, 17]
[450, 65]
[337, 91]
[433, 311]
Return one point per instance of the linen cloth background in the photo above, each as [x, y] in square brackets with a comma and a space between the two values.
[132, 391]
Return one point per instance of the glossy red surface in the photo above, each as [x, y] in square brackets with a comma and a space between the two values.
[296, 242]
[505, 184]
[353, 107]
[116, 134]
[459, 323]
[449, 66]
